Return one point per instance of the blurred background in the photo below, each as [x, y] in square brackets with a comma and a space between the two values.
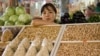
[68, 7]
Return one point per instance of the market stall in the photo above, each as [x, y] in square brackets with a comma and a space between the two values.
[77, 37]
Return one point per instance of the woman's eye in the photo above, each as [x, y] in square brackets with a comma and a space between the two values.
[50, 12]
[44, 13]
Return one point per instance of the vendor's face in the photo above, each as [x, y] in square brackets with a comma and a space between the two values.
[48, 14]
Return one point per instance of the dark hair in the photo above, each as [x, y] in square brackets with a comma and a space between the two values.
[90, 8]
[47, 5]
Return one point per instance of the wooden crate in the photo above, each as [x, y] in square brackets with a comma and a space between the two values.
[80, 40]
[82, 32]
[49, 32]
[79, 49]
[30, 32]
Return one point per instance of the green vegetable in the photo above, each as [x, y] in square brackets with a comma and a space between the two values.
[8, 23]
[25, 18]
[13, 18]
[10, 11]
[4, 18]
[19, 23]
[20, 10]
[94, 18]
[1, 23]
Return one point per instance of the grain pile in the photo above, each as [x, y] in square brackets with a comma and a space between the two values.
[79, 49]
[49, 32]
[82, 32]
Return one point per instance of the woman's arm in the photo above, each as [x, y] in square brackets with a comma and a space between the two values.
[41, 22]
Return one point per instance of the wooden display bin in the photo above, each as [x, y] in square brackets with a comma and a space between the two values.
[79, 49]
[81, 32]
[80, 40]
[30, 32]
[49, 32]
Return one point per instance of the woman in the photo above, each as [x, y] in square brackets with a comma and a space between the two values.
[89, 12]
[48, 15]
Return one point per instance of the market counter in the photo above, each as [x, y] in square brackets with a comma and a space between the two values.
[77, 40]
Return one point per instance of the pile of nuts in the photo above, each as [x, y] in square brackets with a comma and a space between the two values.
[82, 32]
[79, 49]
[49, 32]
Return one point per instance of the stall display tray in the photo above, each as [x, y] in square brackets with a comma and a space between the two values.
[79, 49]
[82, 32]
[49, 32]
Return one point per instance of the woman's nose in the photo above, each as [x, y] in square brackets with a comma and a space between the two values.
[47, 14]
